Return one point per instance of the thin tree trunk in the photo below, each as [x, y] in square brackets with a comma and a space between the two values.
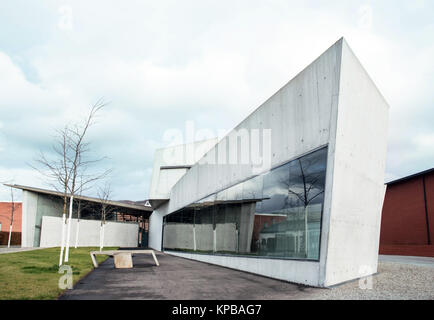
[194, 237]
[12, 217]
[62, 245]
[10, 236]
[306, 237]
[68, 236]
[78, 221]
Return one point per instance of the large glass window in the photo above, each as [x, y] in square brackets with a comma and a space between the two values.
[276, 214]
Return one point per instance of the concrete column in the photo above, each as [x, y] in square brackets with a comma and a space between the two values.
[247, 218]
[30, 205]
[155, 230]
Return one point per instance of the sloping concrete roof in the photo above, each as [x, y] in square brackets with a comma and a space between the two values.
[121, 204]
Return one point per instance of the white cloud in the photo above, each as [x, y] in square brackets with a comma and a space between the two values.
[161, 64]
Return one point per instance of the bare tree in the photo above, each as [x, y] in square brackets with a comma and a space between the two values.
[104, 195]
[306, 187]
[81, 205]
[12, 217]
[71, 160]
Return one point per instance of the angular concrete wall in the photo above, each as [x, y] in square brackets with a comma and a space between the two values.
[35, 206]
[30, 206]
[301, 118]
[164, 172]
[333, 103]
[155, 236]
[358, 175]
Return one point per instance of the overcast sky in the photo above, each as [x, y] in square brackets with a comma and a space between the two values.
[161, 63]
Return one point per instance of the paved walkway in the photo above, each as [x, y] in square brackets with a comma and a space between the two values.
[16, 249]
[178, 278]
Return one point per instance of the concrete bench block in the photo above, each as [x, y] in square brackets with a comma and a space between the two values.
[123, 260]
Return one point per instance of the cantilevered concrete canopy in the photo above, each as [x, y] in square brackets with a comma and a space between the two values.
[42, 218]
[222, 202]
[127, 207]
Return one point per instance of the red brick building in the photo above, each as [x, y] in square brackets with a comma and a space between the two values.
[5, 216]
[5, 222]
[407, 226]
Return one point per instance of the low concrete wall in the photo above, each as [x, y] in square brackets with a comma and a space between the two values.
[119, 234]
[303, 272]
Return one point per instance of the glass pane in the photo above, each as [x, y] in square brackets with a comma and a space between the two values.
[288, 224]
[178, 231]
[234, 193]
[284, 220]
[226, 220]
[252, 188]
[204, 229]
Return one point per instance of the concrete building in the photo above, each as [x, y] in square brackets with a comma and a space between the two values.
[407, 225]
[42, 220]
[294, 192]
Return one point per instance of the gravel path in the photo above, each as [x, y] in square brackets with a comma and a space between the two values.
[396, 281]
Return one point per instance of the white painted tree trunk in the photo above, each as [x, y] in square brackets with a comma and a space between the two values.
[306, 235]
[10, 236]
[194, 238]
[101, 237]
[68, 236]
[76, 234]
[62, 244]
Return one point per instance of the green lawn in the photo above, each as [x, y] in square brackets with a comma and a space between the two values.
[34, 274]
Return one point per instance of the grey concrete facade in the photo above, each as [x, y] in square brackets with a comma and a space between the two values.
[171, 163]
[35, 206]
[42, 221]
[334, 103]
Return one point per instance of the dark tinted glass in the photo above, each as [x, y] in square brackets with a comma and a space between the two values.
[277, 214]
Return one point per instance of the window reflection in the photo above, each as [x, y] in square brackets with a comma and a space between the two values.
[277, 214]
